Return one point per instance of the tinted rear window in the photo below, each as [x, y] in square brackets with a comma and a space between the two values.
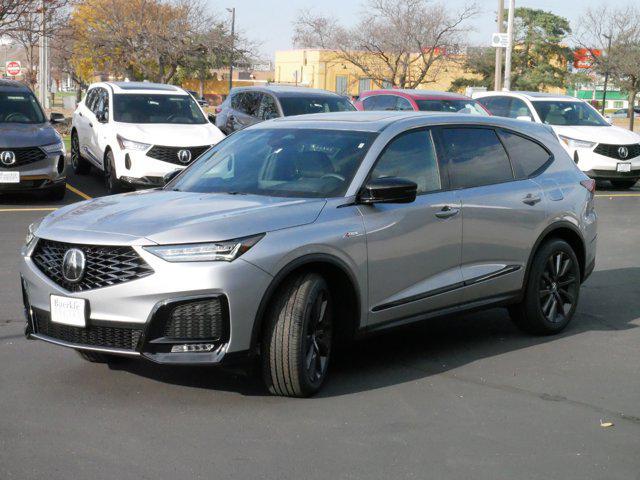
[475, 156]
[300, 105]
[527, 156]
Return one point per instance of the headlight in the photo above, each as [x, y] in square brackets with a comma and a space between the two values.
[575, 143]
[31, 233]
[205, 252]
[54, 147]
[131, 145]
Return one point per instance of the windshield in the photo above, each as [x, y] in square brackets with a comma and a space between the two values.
[568, 113]
[299, 105]
[279, 162]
[150, 108]
[21, 107]
[453, 106]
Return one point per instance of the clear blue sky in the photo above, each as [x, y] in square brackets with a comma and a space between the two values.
[269, 21]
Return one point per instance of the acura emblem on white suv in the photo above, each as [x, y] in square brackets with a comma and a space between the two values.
[73, 265]
[7, 157]
[184, 156]
[623, 152]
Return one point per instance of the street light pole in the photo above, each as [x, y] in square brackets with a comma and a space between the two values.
[498, 73]
[606, 74]
[233, 33]
[507, 60]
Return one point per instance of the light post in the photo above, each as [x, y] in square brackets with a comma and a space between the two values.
[232, 11]
[606, 74]
[507, 61]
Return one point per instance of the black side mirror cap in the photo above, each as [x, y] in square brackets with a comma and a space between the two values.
[56, 117]
[388, 190]
[171, 175]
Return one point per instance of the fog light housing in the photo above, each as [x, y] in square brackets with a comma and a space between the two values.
[193, 347]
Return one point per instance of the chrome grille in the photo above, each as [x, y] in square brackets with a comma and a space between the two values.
[170, 154]
[105, 265]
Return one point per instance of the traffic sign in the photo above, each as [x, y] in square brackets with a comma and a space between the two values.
[500, 40]
[13, 68]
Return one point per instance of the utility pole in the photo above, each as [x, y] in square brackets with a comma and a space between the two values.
[606, 74]
[497, 86]
[507, 60]
[233, 33]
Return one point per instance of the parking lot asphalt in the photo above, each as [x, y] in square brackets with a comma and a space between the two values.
[466, 397]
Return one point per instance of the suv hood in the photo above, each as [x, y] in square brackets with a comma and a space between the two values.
[167, 217]
[18, 135]
[171, 135]
[612, 135]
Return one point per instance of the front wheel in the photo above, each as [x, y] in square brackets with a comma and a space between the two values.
[78, 164]
[298, 337]
[552, 291]
[111, 181]
[623, 184]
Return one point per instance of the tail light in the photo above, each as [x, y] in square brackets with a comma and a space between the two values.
[589, 184]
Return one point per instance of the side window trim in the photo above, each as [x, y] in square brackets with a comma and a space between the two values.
[444, 179]
[442, 154]
[535, 173]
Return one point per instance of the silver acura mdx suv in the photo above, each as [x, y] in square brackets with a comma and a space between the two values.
[297, 233]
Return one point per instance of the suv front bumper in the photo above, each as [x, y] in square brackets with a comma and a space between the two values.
[39, 175]
[131, 318]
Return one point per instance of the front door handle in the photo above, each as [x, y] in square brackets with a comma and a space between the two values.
[90, 125]
[531, 199]
[447, 212]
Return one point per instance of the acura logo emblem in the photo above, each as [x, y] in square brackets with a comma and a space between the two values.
[7, 158]
[73, 265]
[623, 152]
[184, 156]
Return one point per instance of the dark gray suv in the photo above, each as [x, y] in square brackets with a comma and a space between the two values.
[247, 106]
[32, 154]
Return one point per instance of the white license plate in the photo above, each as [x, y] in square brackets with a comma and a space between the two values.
[624, 167]
[68, 311]
[9, 177]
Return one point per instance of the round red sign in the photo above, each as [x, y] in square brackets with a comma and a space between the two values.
[13, 68]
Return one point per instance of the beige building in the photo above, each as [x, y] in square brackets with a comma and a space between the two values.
[324, 69]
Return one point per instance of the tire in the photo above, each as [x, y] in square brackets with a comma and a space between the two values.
[111, 182]
[623, 184]
[551, 294]
[57, 192]
[97, 357]
[79, 165]
[298, 337]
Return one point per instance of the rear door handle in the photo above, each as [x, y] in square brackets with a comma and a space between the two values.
[80, 113]
[531, 199]
[447, 212]
[90, 124]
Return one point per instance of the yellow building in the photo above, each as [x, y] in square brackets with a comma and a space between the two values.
[324, 69]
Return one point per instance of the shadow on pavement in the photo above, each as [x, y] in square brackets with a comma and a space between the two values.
[609, 301]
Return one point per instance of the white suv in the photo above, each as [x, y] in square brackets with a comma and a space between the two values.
[136, 133]
[600, 149]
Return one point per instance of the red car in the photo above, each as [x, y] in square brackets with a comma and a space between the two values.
[419, 100]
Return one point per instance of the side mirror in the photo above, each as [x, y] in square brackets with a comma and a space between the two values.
[525, 118]
[212, 118]
[388, 190]
[171, 175]
[56, 117]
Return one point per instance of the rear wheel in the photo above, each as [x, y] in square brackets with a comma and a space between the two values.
[80, 165]
[110, 179]
[623, 184]
[552, 290]
[298, 337]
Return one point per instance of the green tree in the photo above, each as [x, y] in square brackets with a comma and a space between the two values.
[539, 56]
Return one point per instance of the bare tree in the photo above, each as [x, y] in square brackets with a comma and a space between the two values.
[612, 37]
[400, 42]
[11, 11]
